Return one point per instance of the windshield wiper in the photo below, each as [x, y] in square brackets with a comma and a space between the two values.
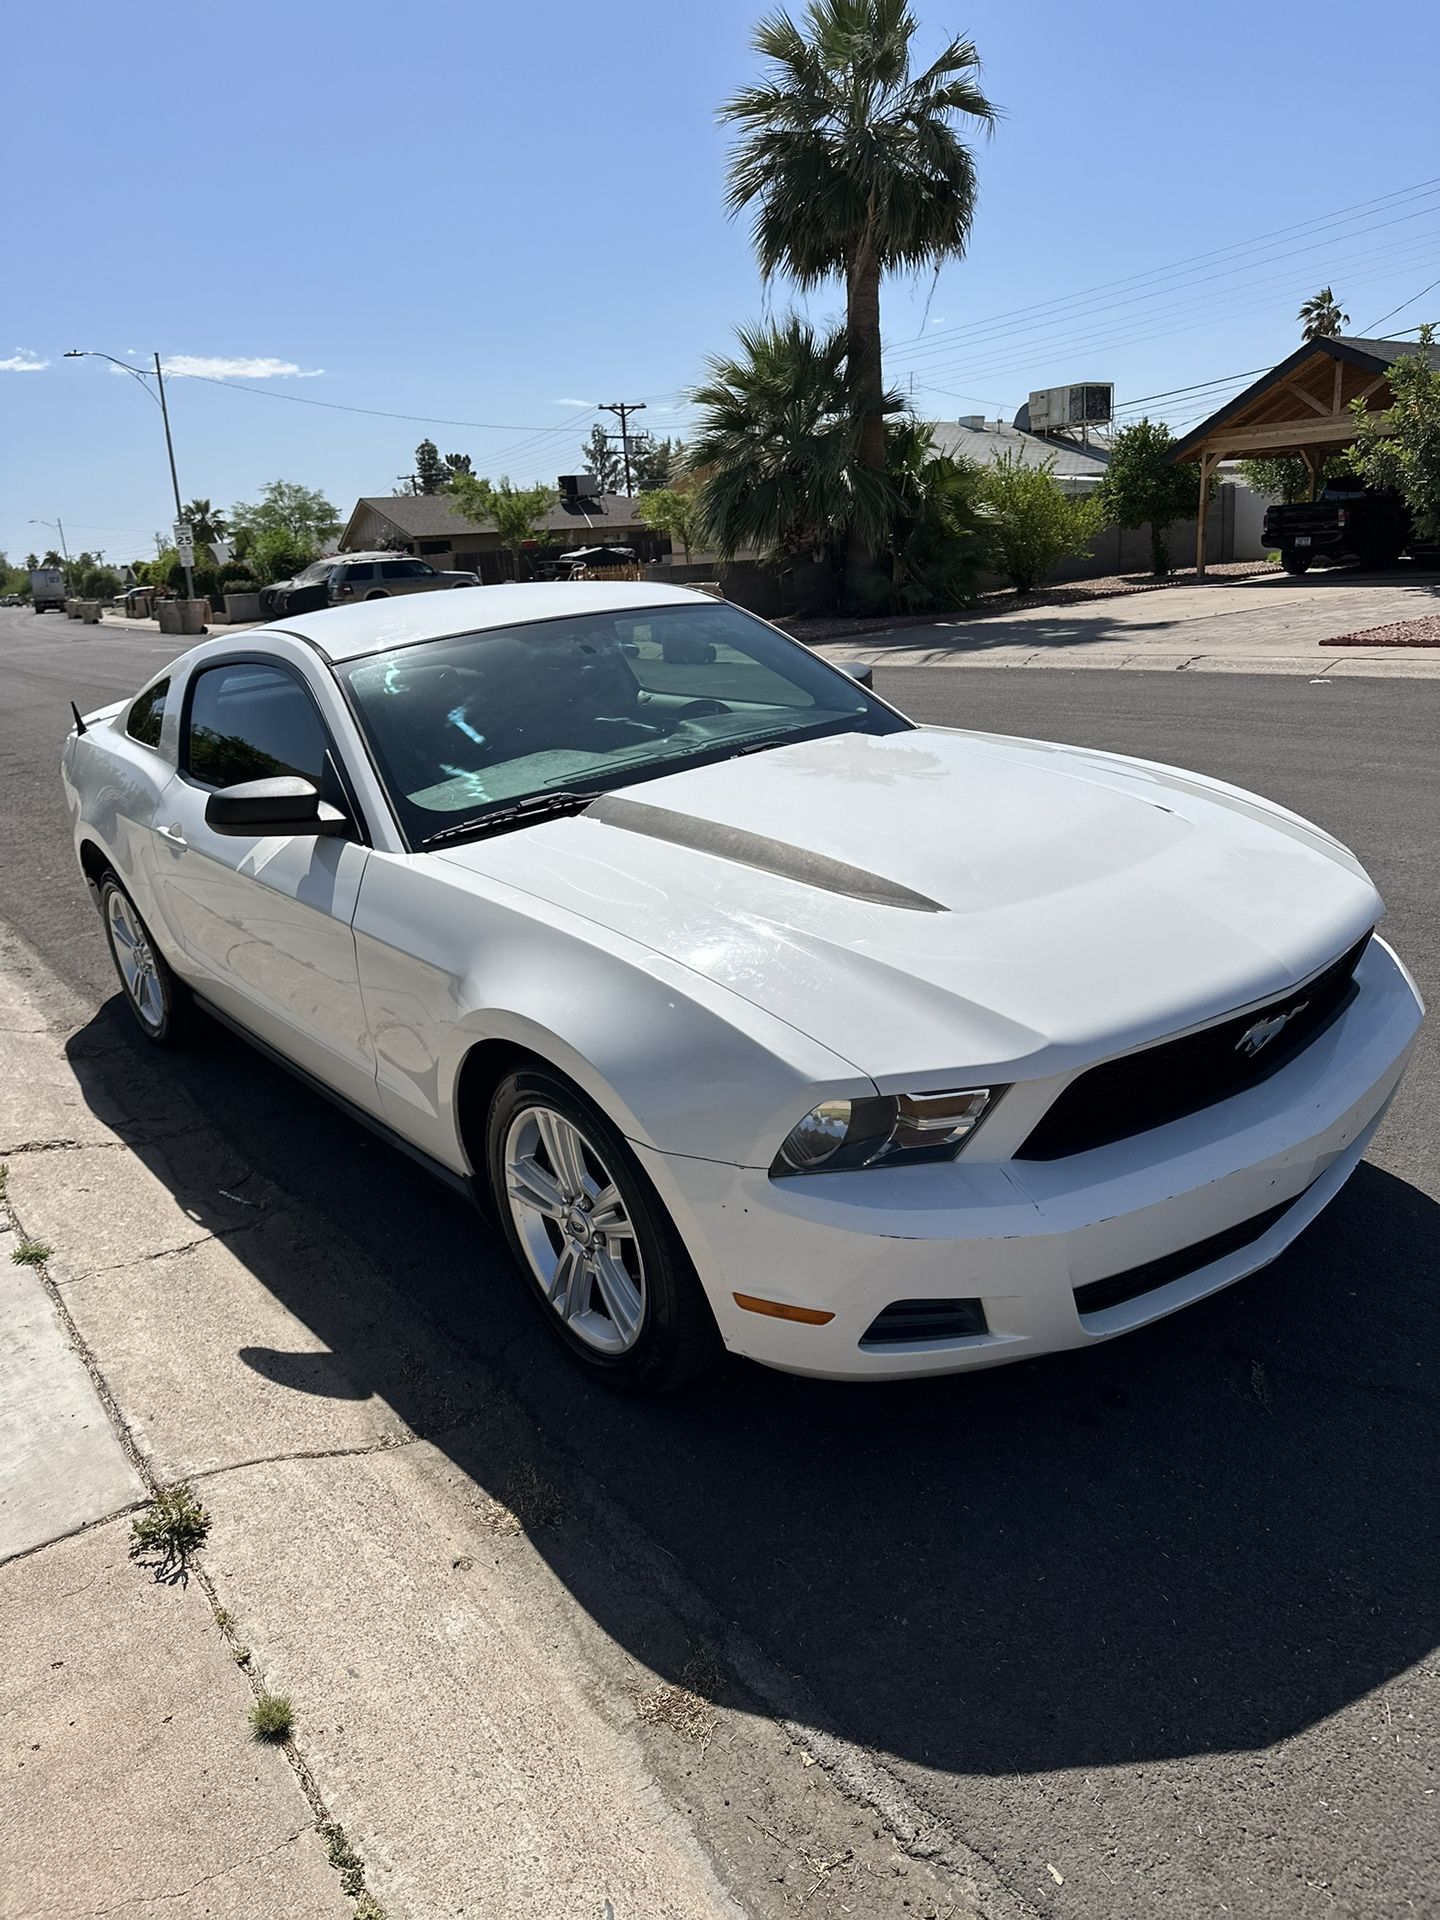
[541, 806]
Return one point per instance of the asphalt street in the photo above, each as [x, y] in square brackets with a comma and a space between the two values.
[1152, 1629]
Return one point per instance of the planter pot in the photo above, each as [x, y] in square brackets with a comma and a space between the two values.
[72, 609]
[181, 616]
[242, 606]
[90, 612]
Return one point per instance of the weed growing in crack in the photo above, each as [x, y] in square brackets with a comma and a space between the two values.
[31, 1253]
[4, 1178]
[346, 1862]
[172, 1528]
[272, 1717]
[367, 1907]
[241, 1656]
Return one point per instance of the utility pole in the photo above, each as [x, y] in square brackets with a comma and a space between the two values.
[622, 409]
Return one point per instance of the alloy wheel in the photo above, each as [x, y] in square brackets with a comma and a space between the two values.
[139, 973]
[575, 1229]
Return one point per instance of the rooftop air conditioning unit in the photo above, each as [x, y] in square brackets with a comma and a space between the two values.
[1090, 404]
[974, 421]
[579, 486]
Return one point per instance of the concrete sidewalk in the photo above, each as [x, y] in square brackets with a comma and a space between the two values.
[410, 1583]
[1269, 623]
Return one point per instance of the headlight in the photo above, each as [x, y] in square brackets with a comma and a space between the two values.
[840, 1134]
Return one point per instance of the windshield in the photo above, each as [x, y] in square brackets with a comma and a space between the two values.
[467, 725]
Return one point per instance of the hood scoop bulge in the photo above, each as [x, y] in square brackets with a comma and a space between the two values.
[757, 850]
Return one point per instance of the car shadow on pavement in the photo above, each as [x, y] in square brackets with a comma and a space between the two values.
[1204, 1537]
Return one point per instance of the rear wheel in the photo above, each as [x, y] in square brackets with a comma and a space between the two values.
[159, 1003]
[379, 594]
[1295, 562]
[591, 1236]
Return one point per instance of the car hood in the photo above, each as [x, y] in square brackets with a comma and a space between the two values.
[926, 900]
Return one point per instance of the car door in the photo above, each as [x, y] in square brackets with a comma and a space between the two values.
[264, 921]
[407, 576]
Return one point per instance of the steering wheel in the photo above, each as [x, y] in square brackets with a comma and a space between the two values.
[698, 709]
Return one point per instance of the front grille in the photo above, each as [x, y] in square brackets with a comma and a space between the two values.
[906, 1320]
[1117, 1288]
[1158, 1084]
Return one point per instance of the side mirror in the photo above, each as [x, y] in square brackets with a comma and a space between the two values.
[860, 671]
[285, 805]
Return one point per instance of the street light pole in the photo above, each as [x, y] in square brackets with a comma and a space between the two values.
[59, 525]
[174, 477]
[90, 353]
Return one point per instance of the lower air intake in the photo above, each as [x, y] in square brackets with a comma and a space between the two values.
[909, 1320]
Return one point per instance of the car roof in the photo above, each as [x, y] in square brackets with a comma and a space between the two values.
[349, 633]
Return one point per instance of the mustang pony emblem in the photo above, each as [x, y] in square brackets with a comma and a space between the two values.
[1255, 1039]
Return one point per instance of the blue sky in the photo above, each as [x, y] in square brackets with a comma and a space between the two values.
[501, 215]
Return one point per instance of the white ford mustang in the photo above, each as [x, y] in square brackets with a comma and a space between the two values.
[760, 1016]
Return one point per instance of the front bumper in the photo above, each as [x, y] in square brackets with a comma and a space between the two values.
[1021, 1236]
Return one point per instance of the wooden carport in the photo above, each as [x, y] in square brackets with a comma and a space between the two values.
[1300, 408]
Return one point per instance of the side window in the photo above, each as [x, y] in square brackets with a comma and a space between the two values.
[356, 576]
[147, 715]
[404, 569]
[251, 722]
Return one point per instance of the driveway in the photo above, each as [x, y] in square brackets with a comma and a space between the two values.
[1268, 623]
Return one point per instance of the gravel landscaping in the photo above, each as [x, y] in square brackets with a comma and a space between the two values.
[1400, 633]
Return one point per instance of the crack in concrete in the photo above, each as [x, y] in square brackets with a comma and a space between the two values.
[263, 1214]
[143, 1900]
[73, 1533]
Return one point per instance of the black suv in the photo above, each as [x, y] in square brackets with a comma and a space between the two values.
[303, 592]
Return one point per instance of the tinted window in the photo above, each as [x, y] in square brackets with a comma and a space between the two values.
[462, 725]
[147, 716]
[403, 569]
[251, 722]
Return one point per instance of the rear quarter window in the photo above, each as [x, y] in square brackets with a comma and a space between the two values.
[147, 714]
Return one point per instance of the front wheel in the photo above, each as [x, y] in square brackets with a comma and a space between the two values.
[159, 1003]
[589, 1233]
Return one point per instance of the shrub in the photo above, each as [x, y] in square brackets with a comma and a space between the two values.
[1142, 485]
[1033, 522]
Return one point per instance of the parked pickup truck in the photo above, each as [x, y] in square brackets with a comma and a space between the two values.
[1348, 522]
[47, 589]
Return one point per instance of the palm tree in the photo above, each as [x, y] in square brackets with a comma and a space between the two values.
[856, 169]
[1321, 318]
[777, 451]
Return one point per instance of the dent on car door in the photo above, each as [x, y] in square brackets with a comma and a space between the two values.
[264, 920]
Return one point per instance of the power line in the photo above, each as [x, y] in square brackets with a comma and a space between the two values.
[1135, 327]
[1402, 306]
[1321, 221]
[377, 413]
[982, 333]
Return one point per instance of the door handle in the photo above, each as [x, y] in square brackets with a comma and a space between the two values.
[173, 834]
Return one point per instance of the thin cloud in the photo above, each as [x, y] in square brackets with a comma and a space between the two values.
[199, 366]
[23, 360]
[570, 401]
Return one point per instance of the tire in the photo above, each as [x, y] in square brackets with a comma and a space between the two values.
[646, 1328]
[159, 1004]
[1295, 562]
[377, 595]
